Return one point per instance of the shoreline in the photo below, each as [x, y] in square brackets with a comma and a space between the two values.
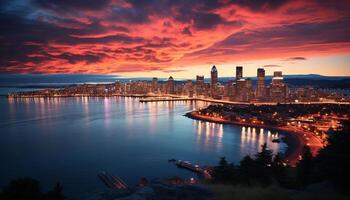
[294, 138]
[174, 98]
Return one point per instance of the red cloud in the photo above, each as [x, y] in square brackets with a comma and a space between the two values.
[132, 36]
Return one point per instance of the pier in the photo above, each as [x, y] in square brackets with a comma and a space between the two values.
[202, 171]
[111, 181]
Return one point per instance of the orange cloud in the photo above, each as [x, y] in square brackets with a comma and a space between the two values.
[118, 36]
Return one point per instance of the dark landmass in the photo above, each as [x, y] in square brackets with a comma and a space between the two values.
[60, 80]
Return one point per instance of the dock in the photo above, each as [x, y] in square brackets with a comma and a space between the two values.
[113, 182]
[202, 171]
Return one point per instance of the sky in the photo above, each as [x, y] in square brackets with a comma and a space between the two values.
[182, 38]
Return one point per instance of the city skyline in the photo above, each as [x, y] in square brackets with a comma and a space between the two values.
[182, 38]
[174, 99]
[237, 89]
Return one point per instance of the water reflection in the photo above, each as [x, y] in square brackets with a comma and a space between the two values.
[118, 134]
[209, 134]
[251, 138]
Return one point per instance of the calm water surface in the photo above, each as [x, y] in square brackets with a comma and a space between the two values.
[70, 139]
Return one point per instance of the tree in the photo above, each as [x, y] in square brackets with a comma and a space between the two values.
[332, 161]
[264, 157]
[223, 162]
[278, 169]
[305, 167]
[22, 189]
[263, 161]
[247, 170]
[225, 172]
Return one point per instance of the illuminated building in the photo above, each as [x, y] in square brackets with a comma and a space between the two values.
[260, 89]
[277, 90]
[171, 85]
[155, 85]
[200, 86]
[118, 87]
[243, 88]
[213, 76]
[239, 72]
[213, 81]
[189, 88]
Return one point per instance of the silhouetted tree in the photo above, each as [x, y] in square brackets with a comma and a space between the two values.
[305, 167]
[223, 162]
[333, 161]
[225, 172]
[22, 189]
[263, 162]
[264, 157]
[247, 170]
[278, 169]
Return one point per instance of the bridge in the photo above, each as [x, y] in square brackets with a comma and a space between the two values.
[181, 98]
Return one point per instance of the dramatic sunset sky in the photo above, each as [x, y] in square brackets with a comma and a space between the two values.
[146, 38]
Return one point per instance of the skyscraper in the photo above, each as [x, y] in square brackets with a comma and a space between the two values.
[239, 72]
[242, 93]
[200, 85]
[278, 90]
[214, 76]
[260, 89]
[170, 85]
[213, 82]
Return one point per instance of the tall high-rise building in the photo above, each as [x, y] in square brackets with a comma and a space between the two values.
[214, 76]
[241, 90]
[260, 89]
[278, 90]
[213, 82]
[277, 78]
[200, 86]
[171, 85]
[239, 72]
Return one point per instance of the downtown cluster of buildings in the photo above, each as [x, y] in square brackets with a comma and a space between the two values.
[239, 89]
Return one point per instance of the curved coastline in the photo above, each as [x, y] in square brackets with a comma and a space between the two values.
[294, 138]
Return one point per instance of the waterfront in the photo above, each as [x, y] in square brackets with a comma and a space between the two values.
[70, 139]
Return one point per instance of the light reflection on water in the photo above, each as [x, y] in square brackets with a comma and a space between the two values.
[69, 139]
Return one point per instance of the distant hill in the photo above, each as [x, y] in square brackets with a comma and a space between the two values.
[314, 80]
[60, 80]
